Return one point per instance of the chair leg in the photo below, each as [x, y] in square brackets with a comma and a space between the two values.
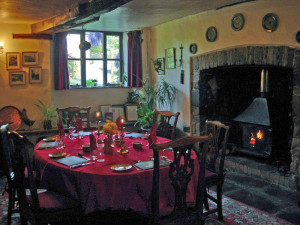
[219, 202]
[23, 220]
[11, 201]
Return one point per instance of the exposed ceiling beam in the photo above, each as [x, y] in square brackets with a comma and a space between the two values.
[77, 16]
[33, 36]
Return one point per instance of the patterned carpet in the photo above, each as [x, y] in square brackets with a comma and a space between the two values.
[234, 213]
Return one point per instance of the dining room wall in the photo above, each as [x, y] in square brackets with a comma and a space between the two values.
[192, 29]
[24, 96]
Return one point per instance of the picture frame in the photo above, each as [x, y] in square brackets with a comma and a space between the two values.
[13, 60]
[170, 58]
[35, 75]
[17, 78]
[159, 66]
[30, 58]
[131, 113]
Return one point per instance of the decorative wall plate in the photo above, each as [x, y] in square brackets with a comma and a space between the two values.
[237, 22]
[193, 48]
[211, 34]
[270, 22]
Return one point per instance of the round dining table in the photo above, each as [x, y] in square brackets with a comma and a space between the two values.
[98, 187]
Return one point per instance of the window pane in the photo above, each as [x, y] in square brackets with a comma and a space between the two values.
[113, 72]
[94, 70]
[73, 41]
[96, 40]
[74, 72]
[113, 45]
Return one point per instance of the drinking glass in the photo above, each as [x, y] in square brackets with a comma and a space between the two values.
[100, 158]
[60, 141]
[94, 155]
[72, 130]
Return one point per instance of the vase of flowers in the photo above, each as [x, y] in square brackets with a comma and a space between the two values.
[109, 129]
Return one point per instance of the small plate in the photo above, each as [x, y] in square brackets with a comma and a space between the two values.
[121, 167]
[49, 139]
[57, 155]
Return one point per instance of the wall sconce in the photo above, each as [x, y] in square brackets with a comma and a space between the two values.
[1, 47]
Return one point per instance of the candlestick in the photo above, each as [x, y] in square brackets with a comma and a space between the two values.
[99, 141]
[122, 150]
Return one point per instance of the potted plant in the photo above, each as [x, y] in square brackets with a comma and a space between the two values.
[150, 96]
[49, 113]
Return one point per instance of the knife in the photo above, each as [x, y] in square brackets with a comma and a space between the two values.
[81, 164]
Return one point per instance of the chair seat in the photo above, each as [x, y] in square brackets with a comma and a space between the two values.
[51, 201]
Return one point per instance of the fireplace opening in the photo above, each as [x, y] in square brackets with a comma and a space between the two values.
[226, 92]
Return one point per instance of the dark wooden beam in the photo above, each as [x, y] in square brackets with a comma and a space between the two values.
[77, 16]
[32, 36]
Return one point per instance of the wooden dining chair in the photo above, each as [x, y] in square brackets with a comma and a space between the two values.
[67, 116]
[180, 172]
[38, 208]
[214, 171]
[6, 155]
[166, 123]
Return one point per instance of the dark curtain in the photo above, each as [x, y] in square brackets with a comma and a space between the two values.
[134, 70]
[61, 71]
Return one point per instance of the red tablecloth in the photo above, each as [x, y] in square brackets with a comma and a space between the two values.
[98, 187]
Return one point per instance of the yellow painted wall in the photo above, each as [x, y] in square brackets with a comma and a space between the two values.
[24, 96]
[192, 29]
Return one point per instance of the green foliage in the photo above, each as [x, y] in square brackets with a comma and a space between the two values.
[162, 95]
[49, 113]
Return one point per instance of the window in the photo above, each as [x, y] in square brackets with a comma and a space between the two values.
[101, 65]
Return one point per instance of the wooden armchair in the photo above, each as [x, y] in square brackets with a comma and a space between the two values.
[67, 116]
[167, 123]
[180, 172]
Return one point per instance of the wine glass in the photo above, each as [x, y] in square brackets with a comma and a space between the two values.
[72, 130]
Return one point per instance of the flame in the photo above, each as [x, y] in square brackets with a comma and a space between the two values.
[252, 140]
[259, 135]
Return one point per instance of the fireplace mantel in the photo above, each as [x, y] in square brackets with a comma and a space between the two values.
[277, 56]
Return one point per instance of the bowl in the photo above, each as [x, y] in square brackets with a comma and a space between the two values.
[86, 148]
[137, 145]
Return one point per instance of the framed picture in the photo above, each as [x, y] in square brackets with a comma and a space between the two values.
[35, 75]
[30, 58]
[131, 114]
[13, 60]
[17, 78]
[170, 58]
[159, 66]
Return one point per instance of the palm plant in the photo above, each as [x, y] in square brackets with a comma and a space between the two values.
[48, 112]
[150, 96]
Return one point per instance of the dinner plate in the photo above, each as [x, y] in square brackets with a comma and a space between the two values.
[121, 167]
[57, 155]
[49, 139]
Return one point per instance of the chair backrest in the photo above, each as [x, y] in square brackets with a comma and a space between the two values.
[217, 146]
[19, 163]
[6, 154]
[67, 116]
[167, 123]
[180, 170]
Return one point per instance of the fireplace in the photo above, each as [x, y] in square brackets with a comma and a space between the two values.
[226, 83]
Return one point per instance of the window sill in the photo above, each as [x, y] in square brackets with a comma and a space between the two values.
[99, 87]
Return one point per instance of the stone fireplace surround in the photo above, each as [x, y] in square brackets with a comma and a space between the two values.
[281, 56]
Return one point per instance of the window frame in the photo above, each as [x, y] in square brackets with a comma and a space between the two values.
[83, 58]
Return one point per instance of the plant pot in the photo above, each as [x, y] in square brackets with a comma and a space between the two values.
[47, 124]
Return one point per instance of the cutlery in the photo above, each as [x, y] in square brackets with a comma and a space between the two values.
[81, 164]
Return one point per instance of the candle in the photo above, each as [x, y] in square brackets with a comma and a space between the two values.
[122, 121]
[98, 115]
